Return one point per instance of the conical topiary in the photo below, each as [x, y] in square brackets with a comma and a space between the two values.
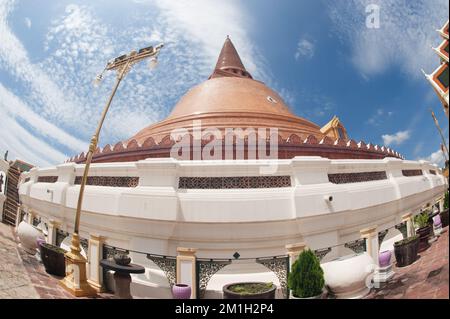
[306, 277]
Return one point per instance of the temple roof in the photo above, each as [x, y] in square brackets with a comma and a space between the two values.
[229, 63]
[231, 98]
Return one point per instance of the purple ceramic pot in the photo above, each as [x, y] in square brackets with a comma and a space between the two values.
[40, 241]
[437, 220]
[384, 258]
[181, 291]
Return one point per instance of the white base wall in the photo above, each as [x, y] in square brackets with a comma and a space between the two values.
[157, 217]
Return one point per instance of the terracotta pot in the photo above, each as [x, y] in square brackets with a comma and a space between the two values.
[384, 258]
[444, 217]
[28, 236]
[406, 254]
[437, 220]
[181, 291]
[424, 234]
[40, 241]
[53, 259]
[228, 294]
[320, 296]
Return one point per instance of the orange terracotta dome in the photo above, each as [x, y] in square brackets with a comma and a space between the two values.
[231, 98]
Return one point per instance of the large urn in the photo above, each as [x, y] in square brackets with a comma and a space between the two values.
[349, 276]
[28, 236]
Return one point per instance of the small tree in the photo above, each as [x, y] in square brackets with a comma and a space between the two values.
[306, 278]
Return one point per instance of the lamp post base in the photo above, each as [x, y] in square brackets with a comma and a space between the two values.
[75, 281]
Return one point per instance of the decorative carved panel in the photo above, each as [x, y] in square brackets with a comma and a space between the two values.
[110, 181]
[320, 253]
[47, 179]
[358, 246]
[280, 266]
[109, 251]
[60, 235]
[412, 172]
[345, 178]
[205, 270]
[381, 236]
[402, 227]
[168, 265]
[234, 182]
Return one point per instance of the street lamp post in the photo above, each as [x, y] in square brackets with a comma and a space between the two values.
[75, 280]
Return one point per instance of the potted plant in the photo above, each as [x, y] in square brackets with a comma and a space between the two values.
[53, 259]
[424, 229]
[406, 250]
[249, 290]
[181, 291]
[444, 213]
[306, 280]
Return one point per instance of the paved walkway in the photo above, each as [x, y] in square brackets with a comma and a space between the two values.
[14, 279]
[426, 278]
[23, 276]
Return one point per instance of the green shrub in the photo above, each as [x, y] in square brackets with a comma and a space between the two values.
[251, 288]
[406, 240]
[422, 220]
[306, 278]
[56, 249]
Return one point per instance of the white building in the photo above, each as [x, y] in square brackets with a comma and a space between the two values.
[325, 192]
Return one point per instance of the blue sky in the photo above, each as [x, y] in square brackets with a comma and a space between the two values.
[319, 55]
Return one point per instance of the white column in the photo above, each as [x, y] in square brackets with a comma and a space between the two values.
[18, 213]
[158, 172]
[293, 251]
[310, 170]
[441, 204]
[31, 215]
[52, 229]
[370, 235]
[95, 254]
[186, 268]
[409, 224]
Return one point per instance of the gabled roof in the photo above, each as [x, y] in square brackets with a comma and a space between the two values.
[444, 31]
[442, 50]
[21, 165]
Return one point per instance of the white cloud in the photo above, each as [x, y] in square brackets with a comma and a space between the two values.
[379, 117]
[58, 108]
[305, 49]
[209, 22]
[406, 33]
[435, 158]
[27, 22]
[50, 100]
[396, 139]
[11, 105]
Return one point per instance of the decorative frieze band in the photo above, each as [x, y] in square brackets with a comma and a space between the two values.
[346, 178]
[111, 181]
[234, 182]
[412, 172]
[47, 179]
